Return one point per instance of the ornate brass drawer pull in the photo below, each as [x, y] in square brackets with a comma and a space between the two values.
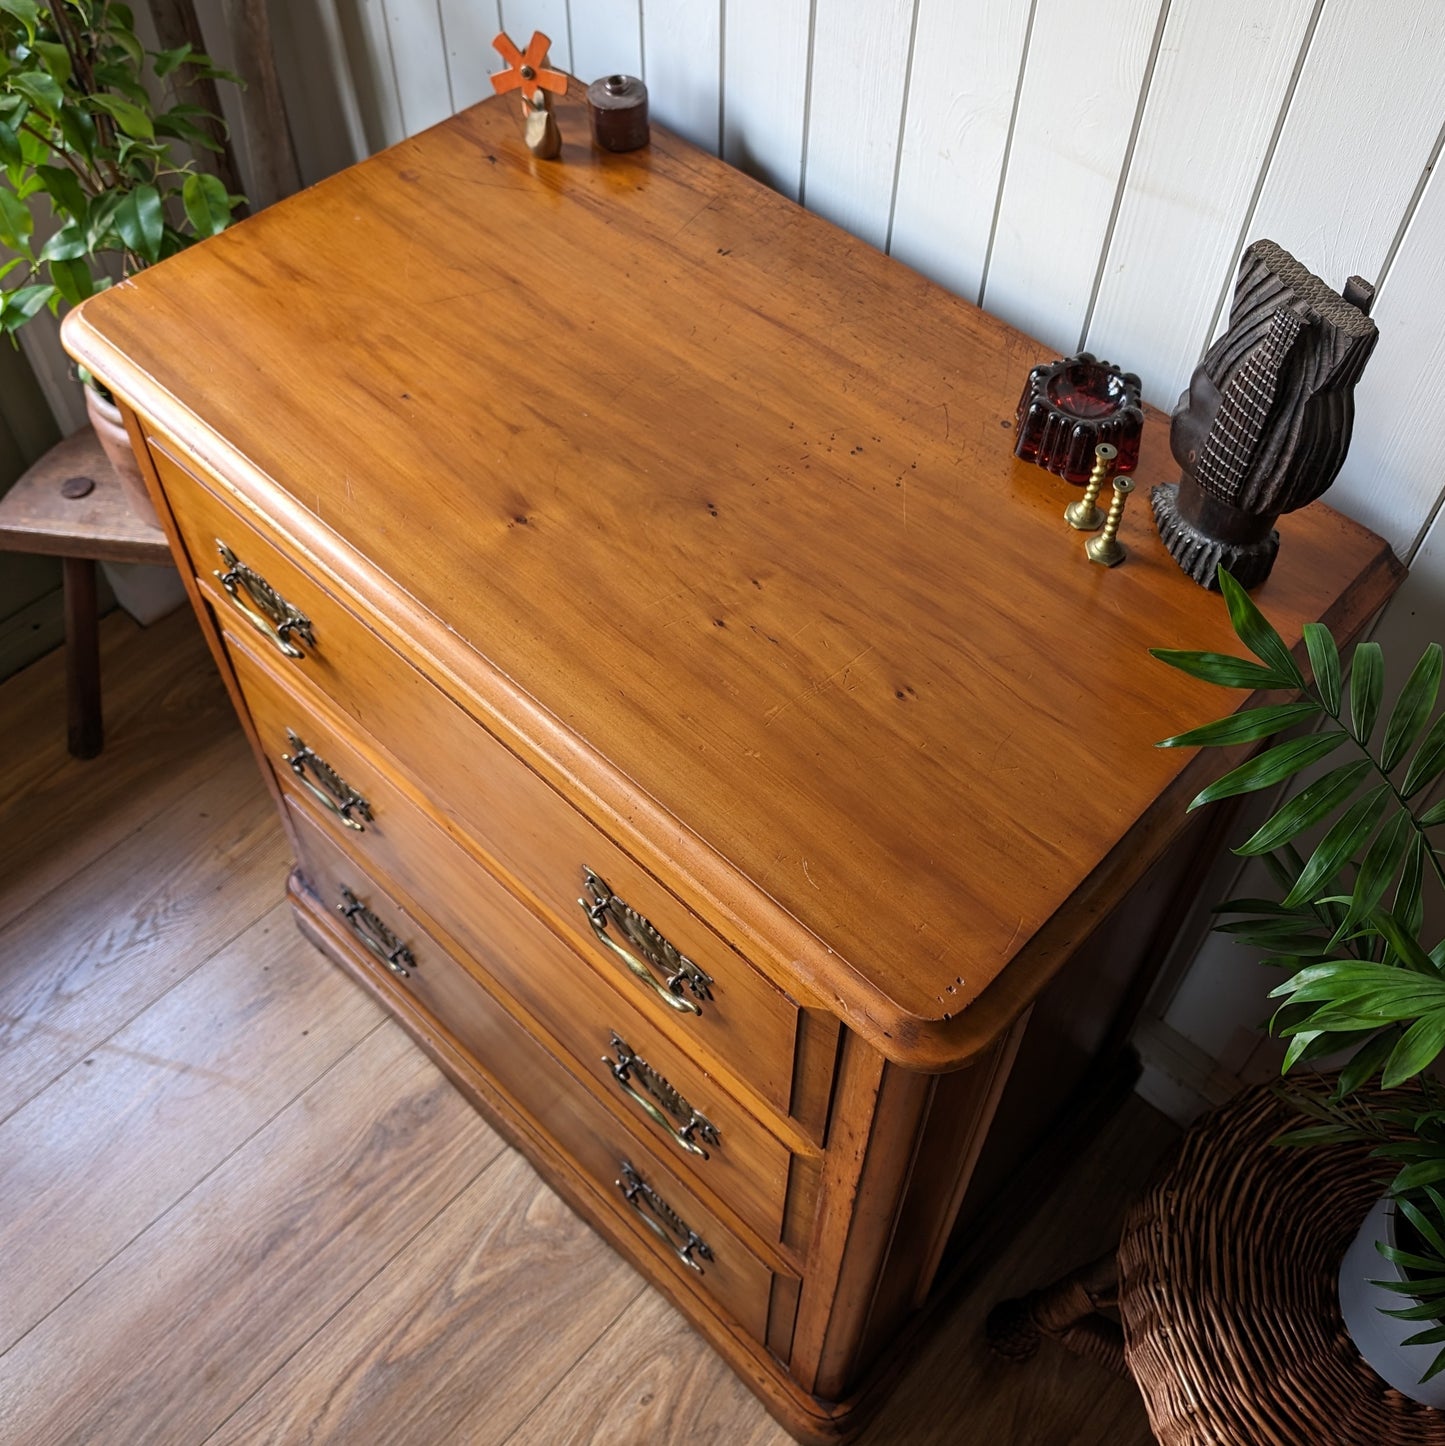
[267, 611]
[375, 935]
[677, 969]
[628, 1066]
[663, 1220]
[330, 789]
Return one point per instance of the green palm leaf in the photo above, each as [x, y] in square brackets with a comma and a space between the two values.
[1414, 705]
[1272, 766]
[1256, 632]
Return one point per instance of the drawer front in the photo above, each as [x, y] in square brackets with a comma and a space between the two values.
[354, 794]
[718, 1005]
[681, 1233]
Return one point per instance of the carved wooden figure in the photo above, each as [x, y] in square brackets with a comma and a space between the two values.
[1266, 422]
[526, 71]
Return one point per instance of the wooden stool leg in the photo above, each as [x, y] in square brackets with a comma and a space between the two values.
[85, 731]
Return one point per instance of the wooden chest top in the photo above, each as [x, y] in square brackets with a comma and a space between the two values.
[710, 511]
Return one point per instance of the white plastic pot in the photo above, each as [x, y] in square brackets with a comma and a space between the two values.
[1379, 1338]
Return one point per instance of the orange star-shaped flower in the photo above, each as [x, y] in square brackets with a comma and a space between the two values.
[525, 71]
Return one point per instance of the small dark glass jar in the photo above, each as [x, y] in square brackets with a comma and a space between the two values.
[1068, 407]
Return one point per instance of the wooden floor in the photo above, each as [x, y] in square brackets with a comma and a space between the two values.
[238, 1205]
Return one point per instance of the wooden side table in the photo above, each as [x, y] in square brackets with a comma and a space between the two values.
[1225, 1282]
[69, 505]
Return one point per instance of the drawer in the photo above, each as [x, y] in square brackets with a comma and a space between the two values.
[345, 786]
[591, 891]
[628, 1180]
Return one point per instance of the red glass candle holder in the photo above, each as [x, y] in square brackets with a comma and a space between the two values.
[1069, 407]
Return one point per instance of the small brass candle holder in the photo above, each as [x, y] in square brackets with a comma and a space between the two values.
[1083, 515]
[1106, 549]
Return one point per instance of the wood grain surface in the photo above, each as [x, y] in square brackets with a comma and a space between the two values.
[808, 626]
[35, 516]
[86, 957]
[295, 1251]
[170, 728]
[150, 1111]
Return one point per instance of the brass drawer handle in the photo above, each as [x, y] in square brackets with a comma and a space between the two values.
[626, 1065]
[677, 969]
[330, 789]
[375, 935]
[663, 1220]
[268, 612]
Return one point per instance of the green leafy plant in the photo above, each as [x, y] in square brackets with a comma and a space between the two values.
[83, 142]
[1351, 904]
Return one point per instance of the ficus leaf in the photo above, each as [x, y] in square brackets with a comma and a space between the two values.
[24, 302]
[26, 11]
[208, 206]
[1325, 663]
[1247, 727]
[56, 58]
[63, 186]
[1256, 632]
[15, 220]
[1272, 766]
[141, 223]
[40, 90]
[126, 114]
[1367, 681]
[74, 280]
[1414, 705]
[167, 60]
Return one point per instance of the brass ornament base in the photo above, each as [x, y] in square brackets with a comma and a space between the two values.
[1083, 515]
[1106, 549]
[1199, 554]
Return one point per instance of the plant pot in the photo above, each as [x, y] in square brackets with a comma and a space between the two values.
[1379, 1338]
[105, 418]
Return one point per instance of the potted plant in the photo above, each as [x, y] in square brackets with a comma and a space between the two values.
[1346, 926]
[96, 183]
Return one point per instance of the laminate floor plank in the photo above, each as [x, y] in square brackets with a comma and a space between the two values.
[258, 1215]
[652, 1378]
[462, 1333]
[183, 1326]
[166, 713]
[90, 955]
[111, 1145]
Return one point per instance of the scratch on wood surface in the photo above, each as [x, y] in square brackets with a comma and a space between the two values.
[1018, 929]
[815, 687]
[693, 217]
[807, 873]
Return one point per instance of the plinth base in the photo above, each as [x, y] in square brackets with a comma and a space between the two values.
[1201, 555]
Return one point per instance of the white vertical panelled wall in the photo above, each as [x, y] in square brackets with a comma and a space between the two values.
[1088, 171]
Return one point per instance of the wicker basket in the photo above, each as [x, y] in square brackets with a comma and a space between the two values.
[1228, 1293]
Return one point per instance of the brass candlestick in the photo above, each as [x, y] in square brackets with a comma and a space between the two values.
[1106, 548]
[1082, 515]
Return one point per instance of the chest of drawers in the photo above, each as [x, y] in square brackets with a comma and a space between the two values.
[688, 717]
